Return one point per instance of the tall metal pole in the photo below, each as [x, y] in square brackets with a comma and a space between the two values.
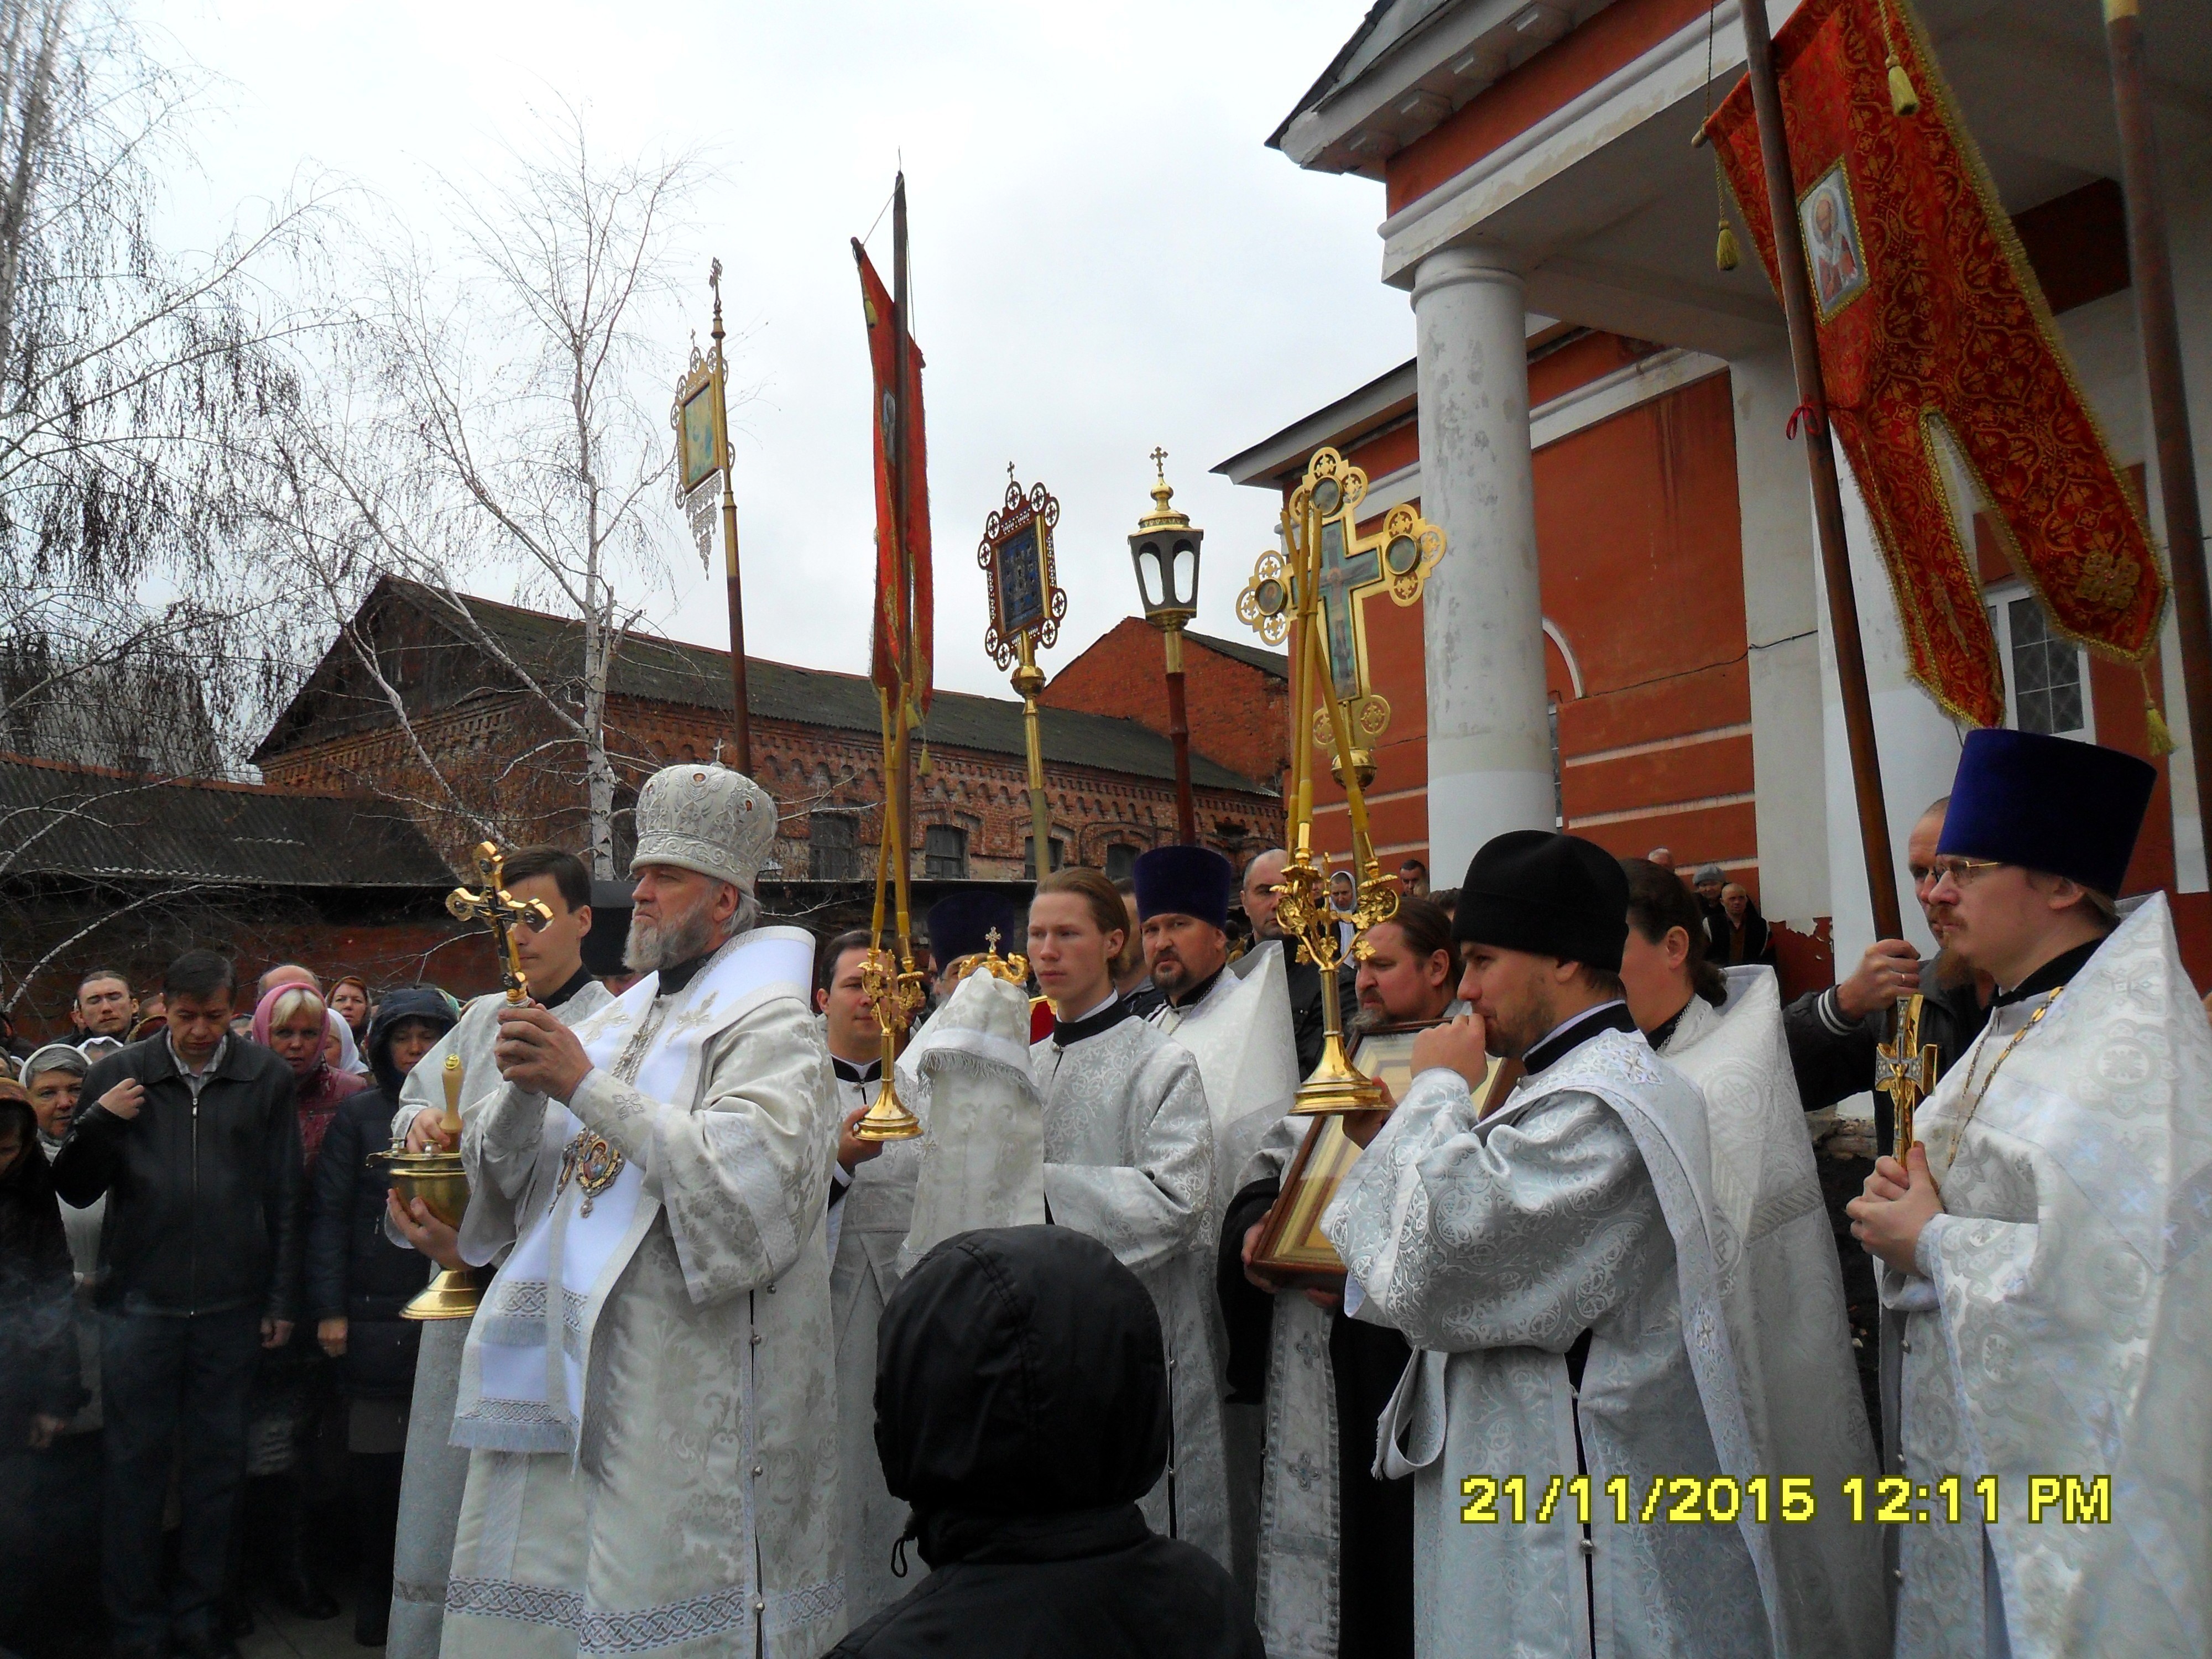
[1796, 284]
[1179, 737]
[741, 723]
[2151, 270]
[1029, 680]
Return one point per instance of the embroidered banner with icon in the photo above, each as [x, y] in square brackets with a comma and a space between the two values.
[1931, 319]
[895, 655]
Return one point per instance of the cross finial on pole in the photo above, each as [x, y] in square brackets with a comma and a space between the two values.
[1159, 463]
[1010, 472]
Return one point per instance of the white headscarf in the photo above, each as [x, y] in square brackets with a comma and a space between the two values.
[349, 1058]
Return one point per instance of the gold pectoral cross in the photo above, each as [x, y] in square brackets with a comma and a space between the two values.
[501, 912]
[1905, 1070]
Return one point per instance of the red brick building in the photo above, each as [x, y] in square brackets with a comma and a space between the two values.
[1236, 695]
[476, 747]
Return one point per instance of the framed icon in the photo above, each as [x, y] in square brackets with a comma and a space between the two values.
[1293, 1249]
[1016, 555]
[700, 462]
[1832, 246]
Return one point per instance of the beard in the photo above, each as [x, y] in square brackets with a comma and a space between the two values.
[653, 945]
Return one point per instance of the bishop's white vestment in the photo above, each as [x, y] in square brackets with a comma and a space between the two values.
[1802, 1395]
[2059, 1324]
[1128, 1158]
[1583, 1203]
[435, 1472]
[648, 1388]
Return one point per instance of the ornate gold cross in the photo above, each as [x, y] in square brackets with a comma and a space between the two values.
[501, 912]
[1905, 1070]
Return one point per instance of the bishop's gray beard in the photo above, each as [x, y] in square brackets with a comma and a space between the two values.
[652, 946]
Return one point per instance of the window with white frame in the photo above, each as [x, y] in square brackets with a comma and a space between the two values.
[2046, 678]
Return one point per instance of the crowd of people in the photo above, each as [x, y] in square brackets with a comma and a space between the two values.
[747, 1377]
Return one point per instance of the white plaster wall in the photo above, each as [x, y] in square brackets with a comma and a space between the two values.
[1782, 630]
[2188, 176]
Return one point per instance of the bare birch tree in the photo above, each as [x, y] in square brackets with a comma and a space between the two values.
[494, 417]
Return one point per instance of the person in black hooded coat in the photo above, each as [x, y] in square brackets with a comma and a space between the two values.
[357, 1281]
[1022, 1410]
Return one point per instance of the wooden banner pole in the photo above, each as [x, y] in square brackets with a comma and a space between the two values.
[1797, 307]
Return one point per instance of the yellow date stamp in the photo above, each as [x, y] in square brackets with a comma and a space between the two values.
[1723, 1500]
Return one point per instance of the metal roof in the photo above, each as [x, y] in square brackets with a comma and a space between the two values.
[86, 822]
[656, 670]
[1276, 663]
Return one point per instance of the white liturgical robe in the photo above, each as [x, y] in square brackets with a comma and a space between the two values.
[2059, 1327]
[648, 1388]
[1583, 1203]
[1128, 1158]
[434, 1471]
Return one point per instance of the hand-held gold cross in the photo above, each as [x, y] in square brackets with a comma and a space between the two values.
[501, 912]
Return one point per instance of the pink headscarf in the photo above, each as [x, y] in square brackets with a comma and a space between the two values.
[317, 1091]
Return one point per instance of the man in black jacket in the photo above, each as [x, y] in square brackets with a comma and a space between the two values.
[192, 1137]
[1022, 1410]
[1309, 1024]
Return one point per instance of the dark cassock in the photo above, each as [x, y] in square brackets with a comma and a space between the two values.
[869, 1211]
[2053, 1324]
[1575, 1299]
[1128, 1158]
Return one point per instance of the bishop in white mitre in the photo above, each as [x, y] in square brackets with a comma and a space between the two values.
[2047, 1241]
[1563, 1274]
[435, 1472]
[648, 1391]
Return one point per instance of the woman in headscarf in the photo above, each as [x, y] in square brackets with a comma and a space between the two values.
[293, 1021]
[350, 1001]
[339, 1053]
[40, 1388]
[293, 1393]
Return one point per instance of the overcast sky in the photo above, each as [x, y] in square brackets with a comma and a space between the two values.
[1105, 255]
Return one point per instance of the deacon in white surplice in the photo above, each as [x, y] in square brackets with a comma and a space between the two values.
[2047, 1240]
[1128, 1158]
[1565, 1278]
[648, 1389]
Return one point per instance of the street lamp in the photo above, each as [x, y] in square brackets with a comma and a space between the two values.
[1165, 550]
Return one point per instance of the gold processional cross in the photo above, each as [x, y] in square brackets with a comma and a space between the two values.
[1905, 1070]
[501, 912]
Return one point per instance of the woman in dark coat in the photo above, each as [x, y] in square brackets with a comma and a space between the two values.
[358, 1280]
[40, 1388]
[1022, 1410]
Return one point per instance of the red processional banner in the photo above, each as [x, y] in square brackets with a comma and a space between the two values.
[891, 647]
[1930, 320]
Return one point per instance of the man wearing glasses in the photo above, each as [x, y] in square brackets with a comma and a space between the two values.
[2044, 1239]
[1833, 1033]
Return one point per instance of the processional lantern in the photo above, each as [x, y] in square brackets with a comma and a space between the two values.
[1164, 547]
[1312, 590]
[1027, 604]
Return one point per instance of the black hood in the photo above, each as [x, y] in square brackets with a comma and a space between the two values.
[416, 1002]
[1020, 1371]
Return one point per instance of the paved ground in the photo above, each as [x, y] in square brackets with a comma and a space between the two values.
[278, 1635]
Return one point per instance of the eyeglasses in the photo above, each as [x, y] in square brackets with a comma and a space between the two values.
[1962, 872]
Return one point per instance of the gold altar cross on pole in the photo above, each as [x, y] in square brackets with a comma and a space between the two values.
[501, 912]
[1905, 1070]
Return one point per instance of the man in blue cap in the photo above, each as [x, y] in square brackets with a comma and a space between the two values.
[1239, 1031]
[2044, 1239]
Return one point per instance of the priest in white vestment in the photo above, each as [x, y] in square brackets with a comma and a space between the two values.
[2046, 1240]
[1238, 1029]
[1722, 1029]
[648, 1390]
[434, 1471]
[1128, 1158]
[1335, 1567]
[1565, 1274]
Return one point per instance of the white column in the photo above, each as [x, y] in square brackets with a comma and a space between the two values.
[1782, 627]
[1490, 752]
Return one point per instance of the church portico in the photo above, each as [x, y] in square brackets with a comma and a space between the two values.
[1489, 759]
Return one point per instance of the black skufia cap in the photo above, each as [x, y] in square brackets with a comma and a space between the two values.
[1548, 894]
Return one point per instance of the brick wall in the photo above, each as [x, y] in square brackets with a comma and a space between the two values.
[1237, 713]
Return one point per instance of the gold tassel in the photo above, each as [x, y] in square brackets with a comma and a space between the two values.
[2157, 737]
[1902, 98]
[926, 765]
[1726, 256]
